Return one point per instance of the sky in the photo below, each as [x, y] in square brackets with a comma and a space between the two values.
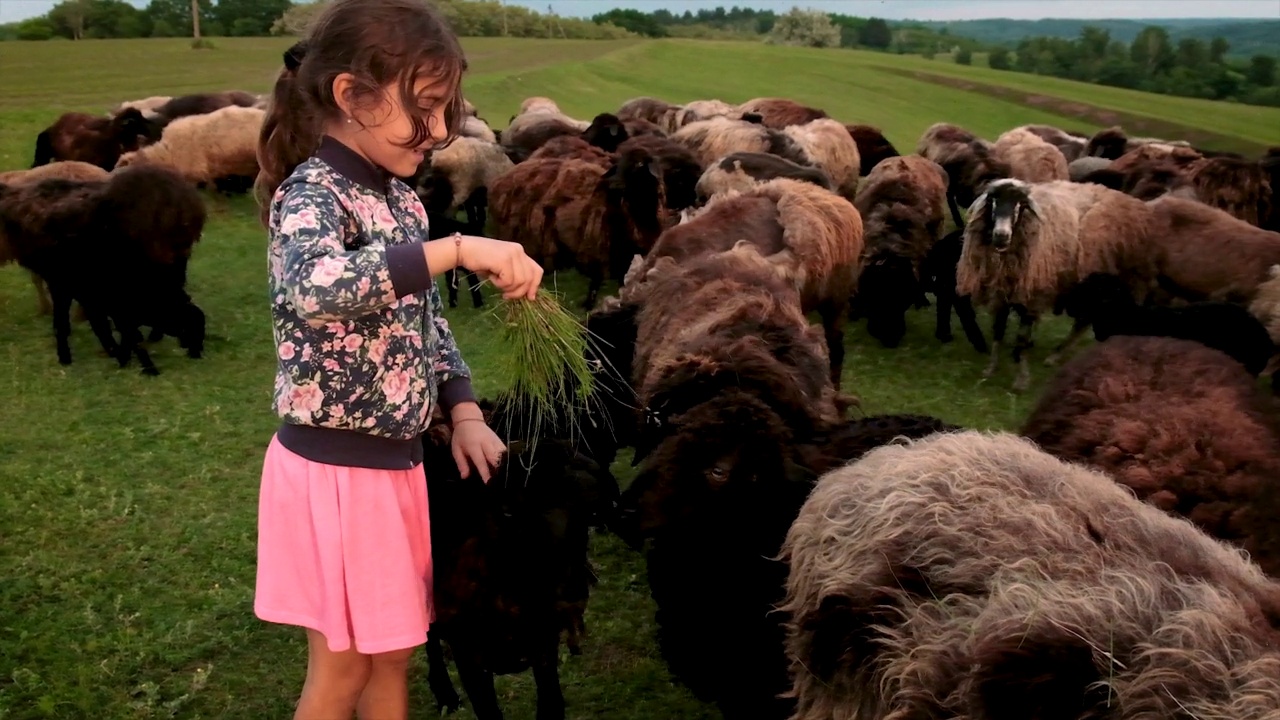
[11, 10]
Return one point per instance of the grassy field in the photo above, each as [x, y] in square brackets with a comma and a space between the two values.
[128, 504]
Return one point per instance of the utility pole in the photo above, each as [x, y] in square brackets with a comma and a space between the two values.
[195, 19]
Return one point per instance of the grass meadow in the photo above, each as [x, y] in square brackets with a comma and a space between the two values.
[128, 503]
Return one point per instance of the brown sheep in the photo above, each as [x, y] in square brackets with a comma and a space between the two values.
[968, 160]
[1025, 245]
[204, 103]
[1243, 188]
[829, 147]
[1206, 254]
[973, 575]
[661, 113]
[1156, 153]
[717, 137]
[217, 148]
[1180, 424]
[94, 139]
[1030, 158]
[573, 147]
[903, 204]
[813, 238]
[743, 171]
[873, 146]
[1071, 145]
[777, 113]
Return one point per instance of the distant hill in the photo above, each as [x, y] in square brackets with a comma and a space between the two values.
[1247, 37]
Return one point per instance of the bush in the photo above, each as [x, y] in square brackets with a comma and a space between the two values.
[964, 56]
[999, 59]
[36, 28]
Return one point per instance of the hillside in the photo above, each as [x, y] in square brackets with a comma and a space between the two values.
[1246, 36]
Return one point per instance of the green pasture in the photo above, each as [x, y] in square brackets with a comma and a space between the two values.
[128, 504]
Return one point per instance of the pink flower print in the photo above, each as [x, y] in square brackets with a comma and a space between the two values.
[377, 349]
[382, 217]
[417, 341]
[352, 342]
[302, 219]
[370, 422]
[306, 353]
[306, 398]
[327, 271]
[338, 329]
[286, 350]
[395, 385]
[337, 412]
[362, 287]
[331, 365]
[310, 305]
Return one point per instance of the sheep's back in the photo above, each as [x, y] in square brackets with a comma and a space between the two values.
[1207, 253]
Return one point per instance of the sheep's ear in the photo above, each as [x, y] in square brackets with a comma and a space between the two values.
[1033, 207]
[654, 170]
[978, 203]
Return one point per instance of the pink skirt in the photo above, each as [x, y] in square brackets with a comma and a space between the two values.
[345, 551]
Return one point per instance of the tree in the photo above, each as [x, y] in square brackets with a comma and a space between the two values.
[1192, 54]
[1094, 42]
[999, 59]
[964, 56]
[1151, 51]
[807, 28]
[36, 28]
[248, 17]
[1218, 50]
[1262, 71]
[876, 34]
[294, 21]
[176, 14]
[67, 18]
[634, 20]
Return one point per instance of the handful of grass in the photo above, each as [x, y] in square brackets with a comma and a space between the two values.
[553, 385]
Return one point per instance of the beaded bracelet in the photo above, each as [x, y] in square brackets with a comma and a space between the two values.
[457, 257]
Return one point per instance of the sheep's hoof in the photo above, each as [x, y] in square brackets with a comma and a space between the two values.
[64, 360]
[944, 337]
[988, 371]
[151, 372]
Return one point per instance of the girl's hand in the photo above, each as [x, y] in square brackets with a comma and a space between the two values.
[474, 442]
[504, 263]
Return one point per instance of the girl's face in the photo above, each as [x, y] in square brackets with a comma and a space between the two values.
[380, 131]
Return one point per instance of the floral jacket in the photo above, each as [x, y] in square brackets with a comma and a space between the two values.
[363, 349]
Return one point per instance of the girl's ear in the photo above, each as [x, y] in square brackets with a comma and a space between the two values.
[343, 84]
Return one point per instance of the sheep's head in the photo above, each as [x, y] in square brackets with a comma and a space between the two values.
[887, 288]
[132, 130]
[606, 132]
[998, 211]
[1110, 144]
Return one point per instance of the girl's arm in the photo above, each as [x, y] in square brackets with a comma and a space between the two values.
[453, 372]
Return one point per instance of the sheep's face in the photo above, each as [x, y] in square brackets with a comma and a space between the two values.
[887, 288]
[606, 132]
[720, 460]
[1003, 206]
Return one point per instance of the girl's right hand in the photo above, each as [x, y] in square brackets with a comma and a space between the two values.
[504, 263]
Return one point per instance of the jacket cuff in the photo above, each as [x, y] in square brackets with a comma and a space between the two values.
[455, 391]
[407, 267]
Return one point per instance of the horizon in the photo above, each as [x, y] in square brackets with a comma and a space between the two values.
[898, 10]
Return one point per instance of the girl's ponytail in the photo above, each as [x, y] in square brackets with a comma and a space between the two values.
[288, 135]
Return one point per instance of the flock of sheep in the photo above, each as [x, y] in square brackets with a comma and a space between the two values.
[1118, 556]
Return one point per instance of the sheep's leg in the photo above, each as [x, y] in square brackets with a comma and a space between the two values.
[446, 695]
[156, 335]
[969, 321]
[131, 344]
[1026, 323]
[61, 300]
[478, 684]
[1078, 329]
[596, 276]
[942, 329]
[833, 315]
[546, 677]
[101, 326]
[999, 323]
[451, 281]
[473, 282]
[44, 304]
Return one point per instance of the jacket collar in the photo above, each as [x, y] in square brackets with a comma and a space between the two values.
[352, 165]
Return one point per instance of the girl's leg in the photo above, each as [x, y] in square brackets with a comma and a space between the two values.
[334, 681]
[386, 695]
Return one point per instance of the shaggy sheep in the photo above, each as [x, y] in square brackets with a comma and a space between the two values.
[1026, 244]
[573, 147]
[66, 170]
[662, 114]
[539, 120]
[1071, 145]
[969, 161]
[146, 106]
[598, 217]
[94, 139]
[938, 276]
[738, 172]
[205, 103]
[474, 127]
[972, 575]
[458, 177]
[510, 566]
[1104, 302]
[902, 204]
[710, 140]
[1181, 425]
[1206, 254]
[442, 225]
[1030, 158]
[1243, 188]
[828, 146]
[608, 131]
[1112, 143]
[219, 148]
[1081, 167]
[812, 237]
[873, 146]
[777, 113]
[117, 247]
[1266, 305]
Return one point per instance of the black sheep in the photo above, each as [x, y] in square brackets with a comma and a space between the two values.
[1104, 301]
[510, 566]
[938, 274]
[442, 226]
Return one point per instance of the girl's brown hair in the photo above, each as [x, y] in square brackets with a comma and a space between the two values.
[379, 42]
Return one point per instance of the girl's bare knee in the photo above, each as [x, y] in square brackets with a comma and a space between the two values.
[392, 660]
[346, 672]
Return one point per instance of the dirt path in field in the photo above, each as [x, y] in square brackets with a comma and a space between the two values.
[1103, 117]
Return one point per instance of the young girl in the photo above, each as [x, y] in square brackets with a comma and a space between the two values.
[363, 350]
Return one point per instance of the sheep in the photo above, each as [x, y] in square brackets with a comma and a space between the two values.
[937, 136]
[1081, 167]
[872, 146]
[510, 570]
[812, 237]
[567, 147]
[1071, 145]
[442, 226]
[94, 139]
[1104, 302]
[710, 140]
[146, 106]
[220, 147]
[538, 104]
[1026, 244]
[777, 113]
[828, 146]
[205, 103]
[969, 161]
[902, 204]
[661, 113]
[1206, 254]
[1243, 188]
[458, 176]
[474, 127]
[118, 247]
[1144, 181]
[970, 574]
[1182, 425]
[1265, 305]
[742, 171]
[601, 217]
[66, 170]
[938, 276]
[539, 120]
[1030, 158]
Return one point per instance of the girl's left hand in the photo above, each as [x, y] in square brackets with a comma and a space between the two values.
[474, 442]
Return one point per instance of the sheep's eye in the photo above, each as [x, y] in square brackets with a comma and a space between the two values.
[719, 474]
